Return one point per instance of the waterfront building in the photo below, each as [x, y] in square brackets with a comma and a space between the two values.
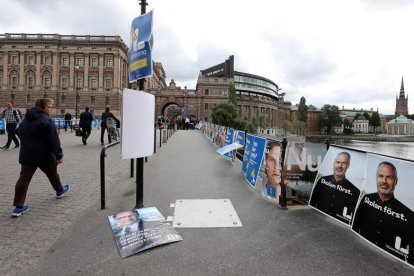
[257, 96]
[401, 102]
[351, 113]
[360, 125]
[312, 122]
[400, 126]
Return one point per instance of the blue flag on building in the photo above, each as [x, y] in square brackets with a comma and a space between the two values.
[139, 53]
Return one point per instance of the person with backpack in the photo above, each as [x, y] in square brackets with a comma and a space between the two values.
[105, 115]
[13, 118]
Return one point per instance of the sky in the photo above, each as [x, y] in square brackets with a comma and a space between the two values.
[349, 53]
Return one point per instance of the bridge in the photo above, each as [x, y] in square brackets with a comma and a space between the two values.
[73, 236]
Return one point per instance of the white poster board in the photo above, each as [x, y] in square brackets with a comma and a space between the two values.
[137, 124]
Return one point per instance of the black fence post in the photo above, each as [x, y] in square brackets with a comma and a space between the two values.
[132, 167]
[282, 197]
[102, 169]
[327, 143]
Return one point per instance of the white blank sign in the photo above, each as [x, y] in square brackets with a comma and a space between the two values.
[137, 126]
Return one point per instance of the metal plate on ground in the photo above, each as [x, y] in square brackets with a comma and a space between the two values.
[205, 213]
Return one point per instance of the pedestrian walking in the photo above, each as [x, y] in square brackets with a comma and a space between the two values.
[40, 148]
[68, 121]
[105, 115]
[13, 118]
[85, 122]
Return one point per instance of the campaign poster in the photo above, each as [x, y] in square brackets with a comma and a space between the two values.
[141, 229]
[302, 162]
[384, 215]
[141, 42]
[240, 137]
[338, 183]
[255, 160]
[246, 155]
[271, 171]
[228, 141]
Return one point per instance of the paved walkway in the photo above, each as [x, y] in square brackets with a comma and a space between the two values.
[71, 236]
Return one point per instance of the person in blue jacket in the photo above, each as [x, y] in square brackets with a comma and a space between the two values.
[40, 148]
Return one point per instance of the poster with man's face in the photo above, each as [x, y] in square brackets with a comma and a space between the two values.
[384, 215]
[337, 186]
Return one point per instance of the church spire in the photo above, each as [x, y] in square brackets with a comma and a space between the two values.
[402, 93]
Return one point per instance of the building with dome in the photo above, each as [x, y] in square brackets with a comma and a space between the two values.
[400, 126]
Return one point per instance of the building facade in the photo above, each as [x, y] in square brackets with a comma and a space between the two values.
[400, 126]
[256, 96]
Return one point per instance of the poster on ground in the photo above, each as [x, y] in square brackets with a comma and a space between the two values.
[141, 229]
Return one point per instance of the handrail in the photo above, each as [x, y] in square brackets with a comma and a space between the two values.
[103, 155]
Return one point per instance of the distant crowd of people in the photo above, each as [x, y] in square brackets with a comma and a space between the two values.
[178, 122]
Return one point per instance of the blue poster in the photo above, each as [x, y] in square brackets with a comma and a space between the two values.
[255, 160]
[240, 137]
[229, 141]
[139, 53]
[246, 155]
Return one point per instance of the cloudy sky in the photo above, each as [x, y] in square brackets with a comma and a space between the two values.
[350, 53]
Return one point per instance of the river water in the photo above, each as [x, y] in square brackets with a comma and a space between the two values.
[403, 150]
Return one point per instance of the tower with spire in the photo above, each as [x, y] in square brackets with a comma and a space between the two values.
[401, 102]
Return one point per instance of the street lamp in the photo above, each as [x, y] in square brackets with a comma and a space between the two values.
[77, 91]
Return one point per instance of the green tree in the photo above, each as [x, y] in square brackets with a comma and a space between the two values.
[347, 126]
[375, 121]
[329, 117]
[224, 114]
[244, 125]
[302, 110]
[262, 122]
[232, 95]
[287, 126]
[366, 116]
[299, 127]
[356, 116]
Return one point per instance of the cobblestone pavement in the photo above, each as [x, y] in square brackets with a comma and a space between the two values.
[23, 240]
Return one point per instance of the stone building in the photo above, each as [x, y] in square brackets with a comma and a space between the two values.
[75, 71]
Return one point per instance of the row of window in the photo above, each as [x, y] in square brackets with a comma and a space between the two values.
[256, 82]
[64, 60]
[47, 80]
[224, 92]
[29, 99]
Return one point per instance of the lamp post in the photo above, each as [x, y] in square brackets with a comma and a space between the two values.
[77, 91]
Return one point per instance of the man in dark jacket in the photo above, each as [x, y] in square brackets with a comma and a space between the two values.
[107, 114]
[40, 148]
[85, 123]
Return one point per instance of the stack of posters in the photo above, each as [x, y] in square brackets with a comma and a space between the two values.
[145, 228]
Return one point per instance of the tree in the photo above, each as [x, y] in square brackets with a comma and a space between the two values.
[302, 110]
[356, 116]
[244, 125]
[375, 121]
[224, 114]
[299, 126]
[232, 95]
[302, 116]
[287, 126]
[366, 116]
[329, 117]
[347, 126]
[262, 122]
